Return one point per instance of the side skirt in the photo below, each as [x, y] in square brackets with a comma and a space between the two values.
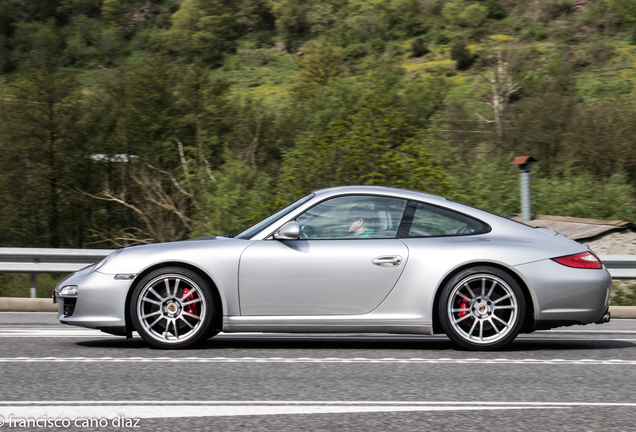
[324, 324]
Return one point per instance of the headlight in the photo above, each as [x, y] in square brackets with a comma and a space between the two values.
[69, 291]
[105, 260]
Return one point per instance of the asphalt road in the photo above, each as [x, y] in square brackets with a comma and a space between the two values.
[575, 378]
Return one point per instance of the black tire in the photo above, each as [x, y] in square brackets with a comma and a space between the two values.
[168, 317]
[482, 308]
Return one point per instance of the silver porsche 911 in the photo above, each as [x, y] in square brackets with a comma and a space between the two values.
[347, 259]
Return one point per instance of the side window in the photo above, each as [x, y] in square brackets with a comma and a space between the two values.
[432, 221]
[352, 217]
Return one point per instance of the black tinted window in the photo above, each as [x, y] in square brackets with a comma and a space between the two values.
[432, 221]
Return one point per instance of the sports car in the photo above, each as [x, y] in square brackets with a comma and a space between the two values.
[345, 260]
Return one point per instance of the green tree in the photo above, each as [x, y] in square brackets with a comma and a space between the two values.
[374, 145]
[75, 7]
[581, 195]
[320, 18]
[452, 11]
[600, 138]
[495, 9]
[320, 65]
[474, 15]
[492, 184]
[624, 11]
[114, 12]
[461, 54]
[40, 143]
[368, 19]
[540, 122]
[234, 201]
[488, 183]
[205, 28]
[291, 20]
[419, 48]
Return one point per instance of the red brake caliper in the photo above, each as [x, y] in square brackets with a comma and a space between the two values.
[463, 305]
[191, 308]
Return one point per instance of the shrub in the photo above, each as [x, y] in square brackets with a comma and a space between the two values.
[601, 51]
[474, 15]
[623, 293]
[419, 48]
[452, 11]
[442, 38]
[562, 8]
[114, 12]
[491, 184]
[263, 39]
[461, 55]
[495, 10]
[378, 45]
[534, 32]
[355, 51]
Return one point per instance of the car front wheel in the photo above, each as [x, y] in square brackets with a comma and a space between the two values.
[482, 308]
[172, 307]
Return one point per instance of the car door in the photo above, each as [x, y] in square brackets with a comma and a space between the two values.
[346, 262]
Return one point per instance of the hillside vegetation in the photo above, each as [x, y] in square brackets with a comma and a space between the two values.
[125, 122]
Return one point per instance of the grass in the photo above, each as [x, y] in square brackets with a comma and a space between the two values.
[623, 293]
[19, 285]
[263, 74]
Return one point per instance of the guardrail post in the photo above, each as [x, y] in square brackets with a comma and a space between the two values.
[34, 288]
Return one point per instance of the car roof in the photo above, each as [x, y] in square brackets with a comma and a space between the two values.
[381, 190]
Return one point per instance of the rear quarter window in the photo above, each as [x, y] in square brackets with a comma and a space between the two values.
[433, 221]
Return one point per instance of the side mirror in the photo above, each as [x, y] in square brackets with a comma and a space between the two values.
[289, 231]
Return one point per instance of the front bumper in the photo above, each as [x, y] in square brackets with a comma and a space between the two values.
[99, 303]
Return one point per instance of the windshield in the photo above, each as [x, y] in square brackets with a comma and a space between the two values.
[248, 233]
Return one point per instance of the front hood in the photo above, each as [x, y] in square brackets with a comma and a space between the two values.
[210, 237]
[197, 252]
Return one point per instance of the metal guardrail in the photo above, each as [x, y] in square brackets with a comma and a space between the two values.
[620, 266]
[38, 260]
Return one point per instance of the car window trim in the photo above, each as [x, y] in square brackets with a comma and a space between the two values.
[306, 199]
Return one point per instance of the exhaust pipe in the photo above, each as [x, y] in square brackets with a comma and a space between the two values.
[605, 319]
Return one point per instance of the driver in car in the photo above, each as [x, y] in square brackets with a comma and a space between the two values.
[361, 219]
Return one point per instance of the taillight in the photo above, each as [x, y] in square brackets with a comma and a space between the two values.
[581, 260]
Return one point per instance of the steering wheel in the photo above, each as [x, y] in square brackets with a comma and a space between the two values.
[307, 232]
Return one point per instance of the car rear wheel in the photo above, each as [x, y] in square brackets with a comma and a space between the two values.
[482, 308]
[173, 308]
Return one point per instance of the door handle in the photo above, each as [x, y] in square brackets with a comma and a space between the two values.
[387, 261]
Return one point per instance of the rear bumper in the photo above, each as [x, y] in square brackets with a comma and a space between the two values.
[565, 294]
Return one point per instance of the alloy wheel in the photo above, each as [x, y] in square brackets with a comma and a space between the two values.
[171, 308]
[483, 309]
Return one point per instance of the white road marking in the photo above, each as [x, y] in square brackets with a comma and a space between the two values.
[588, 331]
[177, 409]
[336, 402]
[149, 411]
[47, 333]
[391, 360]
